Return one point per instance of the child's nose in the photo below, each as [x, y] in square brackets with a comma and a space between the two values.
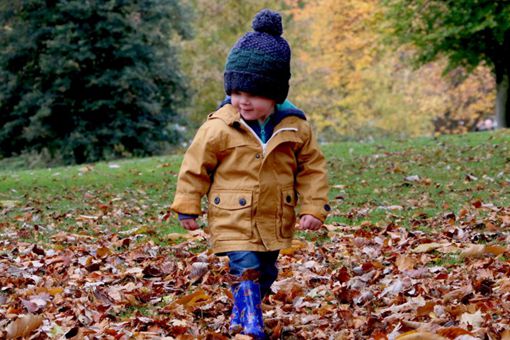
[244, 100]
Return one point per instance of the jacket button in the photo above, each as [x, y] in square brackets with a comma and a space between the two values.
[217, 200]
[257, 156]
[288, 199]
[242, 201]
[327, 207]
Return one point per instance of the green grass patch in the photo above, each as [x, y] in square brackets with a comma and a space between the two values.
[390, 181]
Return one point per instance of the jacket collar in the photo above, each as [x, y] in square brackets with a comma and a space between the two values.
[228, 114]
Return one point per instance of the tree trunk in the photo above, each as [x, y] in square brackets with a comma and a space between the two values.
[503, 97]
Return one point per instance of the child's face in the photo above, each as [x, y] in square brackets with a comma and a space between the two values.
[252, 107]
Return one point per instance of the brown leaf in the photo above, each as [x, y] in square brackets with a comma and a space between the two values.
[427, 247]
[102, 252]
[453, 332]
[296, 245]
[425, 310]
[495, 249]
[405, 262]
[23, 326]
[198, 269]
[416, 335]
[190, 299]
[474, 250]
[480, 250]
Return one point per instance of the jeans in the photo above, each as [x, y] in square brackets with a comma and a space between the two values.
[263, 262]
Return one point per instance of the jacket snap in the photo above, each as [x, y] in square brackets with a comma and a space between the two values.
[217, 200]
[288, 199]
[242, 201]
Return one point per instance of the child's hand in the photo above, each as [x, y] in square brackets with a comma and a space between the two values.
[189, 224]
[309, 222]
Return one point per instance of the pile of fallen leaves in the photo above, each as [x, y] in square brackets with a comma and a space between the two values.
[367, 281]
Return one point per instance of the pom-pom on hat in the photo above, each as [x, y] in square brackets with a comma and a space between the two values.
[259, 62]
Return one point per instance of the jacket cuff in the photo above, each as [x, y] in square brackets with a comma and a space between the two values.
[188, 204]
[319, 211]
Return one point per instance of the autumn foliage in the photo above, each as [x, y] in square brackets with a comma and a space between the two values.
[416, 247]
[347, 79]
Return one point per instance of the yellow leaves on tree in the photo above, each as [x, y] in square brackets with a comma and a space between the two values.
[353, 85]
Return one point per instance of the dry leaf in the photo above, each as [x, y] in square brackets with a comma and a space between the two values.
[23, 326]
[427, 247]
[474, 319]
[453, 332]
[495, 249]
[190, 299]
[474, 250]
[242, 337]
[417, 335]
[296, 245]
[198, 269]
[405, 262]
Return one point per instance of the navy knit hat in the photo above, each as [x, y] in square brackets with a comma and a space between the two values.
[259, 62]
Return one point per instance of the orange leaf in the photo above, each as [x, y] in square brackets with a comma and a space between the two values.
[453, 332]
[191, 299]
[23, 326]
[495, 249]
[102, 252]
[425, 310]
[415, 335]
[405, 262]
[296, 245]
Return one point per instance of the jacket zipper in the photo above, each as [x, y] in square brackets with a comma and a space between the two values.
[264, 145]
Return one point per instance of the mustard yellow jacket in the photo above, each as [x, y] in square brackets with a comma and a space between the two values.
[252, 188]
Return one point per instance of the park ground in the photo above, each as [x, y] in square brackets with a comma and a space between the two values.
[417, 245]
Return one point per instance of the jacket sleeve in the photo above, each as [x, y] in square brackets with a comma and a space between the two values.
[197, 167]
[312, 179]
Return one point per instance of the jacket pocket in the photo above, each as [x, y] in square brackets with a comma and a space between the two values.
[230, 215]
[288, 215]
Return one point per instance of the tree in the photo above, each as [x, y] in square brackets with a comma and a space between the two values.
[217, 25]
[90, 80]
[467, 32]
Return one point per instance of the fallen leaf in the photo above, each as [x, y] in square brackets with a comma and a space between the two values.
[427, 247]
[472, 319]
[23, 326]
[190, 299]
[417, 335]
[453, 332]
[405, 262]
[495, 249]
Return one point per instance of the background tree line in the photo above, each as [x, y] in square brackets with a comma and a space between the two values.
[89, 80]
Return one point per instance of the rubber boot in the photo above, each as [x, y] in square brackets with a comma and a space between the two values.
[236, 324]
[251, 311]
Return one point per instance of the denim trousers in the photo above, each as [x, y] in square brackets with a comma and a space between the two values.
[263, 262]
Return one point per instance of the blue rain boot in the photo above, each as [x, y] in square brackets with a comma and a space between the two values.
[236, 324]
[251, 311]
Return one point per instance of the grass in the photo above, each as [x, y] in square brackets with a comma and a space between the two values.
[381, 182]
[369, 180]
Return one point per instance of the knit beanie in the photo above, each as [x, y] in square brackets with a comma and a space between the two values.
[259, 62]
